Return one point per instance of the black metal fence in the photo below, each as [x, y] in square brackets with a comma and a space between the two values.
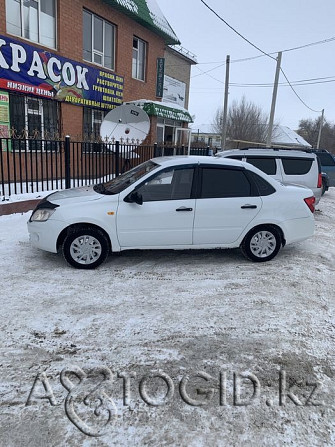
[31, 165]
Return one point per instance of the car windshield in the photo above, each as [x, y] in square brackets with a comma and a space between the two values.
[126, 179]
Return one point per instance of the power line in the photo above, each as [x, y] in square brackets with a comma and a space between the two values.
[245, 59]
[206, 73]
[221, 63]
[259, 49]
[235, 31]
[310, 81]
[296, 94]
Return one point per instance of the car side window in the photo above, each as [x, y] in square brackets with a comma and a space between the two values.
[297, 166]
[170, 184]
[265, 164]
[264, 188]
[223, 182]
[326, 159]
[236, 157]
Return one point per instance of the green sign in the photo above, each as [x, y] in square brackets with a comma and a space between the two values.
[4, 119]
[160, 77]
[163, 111]
[148, 14]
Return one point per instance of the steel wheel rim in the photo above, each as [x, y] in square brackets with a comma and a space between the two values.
[85, 249]
[263, 244]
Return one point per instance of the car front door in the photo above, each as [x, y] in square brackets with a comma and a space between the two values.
[226, 204]
[166, 216]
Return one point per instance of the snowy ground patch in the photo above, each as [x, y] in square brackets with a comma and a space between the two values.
[189, 348]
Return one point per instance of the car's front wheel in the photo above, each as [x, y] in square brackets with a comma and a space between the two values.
[261, 244]
[85, 248]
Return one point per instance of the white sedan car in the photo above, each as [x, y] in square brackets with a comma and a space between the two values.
[174, 203]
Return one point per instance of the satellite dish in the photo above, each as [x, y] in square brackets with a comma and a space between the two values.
[126, 122]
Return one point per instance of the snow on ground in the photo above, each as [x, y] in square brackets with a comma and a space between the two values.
[179, 313]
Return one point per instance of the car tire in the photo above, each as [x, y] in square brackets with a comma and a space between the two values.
[85, 248]
[324, 188]
[261, 243]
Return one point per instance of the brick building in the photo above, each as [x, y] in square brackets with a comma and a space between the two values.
[65, 64]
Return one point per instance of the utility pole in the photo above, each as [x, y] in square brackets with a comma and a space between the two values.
[273, 104]
[225, 105]
[320, 128]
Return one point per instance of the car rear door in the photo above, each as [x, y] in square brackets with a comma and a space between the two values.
[226, 204]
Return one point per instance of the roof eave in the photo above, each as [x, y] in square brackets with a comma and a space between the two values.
[169, 39]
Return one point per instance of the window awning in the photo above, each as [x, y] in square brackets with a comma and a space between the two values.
[163, 110]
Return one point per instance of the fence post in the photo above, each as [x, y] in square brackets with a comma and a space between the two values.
[155, 150]
[67, 159]
[117, 158]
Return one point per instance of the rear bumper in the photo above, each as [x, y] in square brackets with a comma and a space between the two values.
[317, 194]
[296, 230]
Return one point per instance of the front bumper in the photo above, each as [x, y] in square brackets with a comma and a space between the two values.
[44, 235]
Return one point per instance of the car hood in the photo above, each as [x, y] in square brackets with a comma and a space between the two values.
[81, 194]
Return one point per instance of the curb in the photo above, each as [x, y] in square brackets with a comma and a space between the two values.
[18, 207]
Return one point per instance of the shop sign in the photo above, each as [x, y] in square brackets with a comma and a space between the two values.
[4, 119]
[34, 71]
[155, 108]
[160, 77]
[174, 91]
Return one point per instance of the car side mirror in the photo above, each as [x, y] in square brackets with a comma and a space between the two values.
[134, 197]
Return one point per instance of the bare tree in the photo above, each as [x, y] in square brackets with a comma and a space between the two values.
[309, 129]
[245, 122]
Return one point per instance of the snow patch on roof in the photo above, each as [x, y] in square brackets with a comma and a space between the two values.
[286, 136]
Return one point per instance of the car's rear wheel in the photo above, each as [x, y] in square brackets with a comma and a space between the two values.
[85, 248]
[261, 244]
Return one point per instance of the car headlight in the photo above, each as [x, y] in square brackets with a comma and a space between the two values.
[41, 215]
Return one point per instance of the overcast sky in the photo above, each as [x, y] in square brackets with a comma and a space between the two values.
[271, 25]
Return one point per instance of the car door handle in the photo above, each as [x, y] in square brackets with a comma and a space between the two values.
[184, 208]
[244, 207]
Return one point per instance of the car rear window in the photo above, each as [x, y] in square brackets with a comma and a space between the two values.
[326, 159]
[265, 164]
[297, 166]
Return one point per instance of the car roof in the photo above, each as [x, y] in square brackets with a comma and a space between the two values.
[206, 160]
[196, 159]
[267, 152]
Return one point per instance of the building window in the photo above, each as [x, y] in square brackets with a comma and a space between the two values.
[34, 20]
[34, 120]
[92, 122]
[40, 118]
[139, 59]
[98, 40]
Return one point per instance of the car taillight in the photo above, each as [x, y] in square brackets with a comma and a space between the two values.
[319, 185]
[310, 202]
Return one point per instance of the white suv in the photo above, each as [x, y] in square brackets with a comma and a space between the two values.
[285, 165]
[174, 203]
